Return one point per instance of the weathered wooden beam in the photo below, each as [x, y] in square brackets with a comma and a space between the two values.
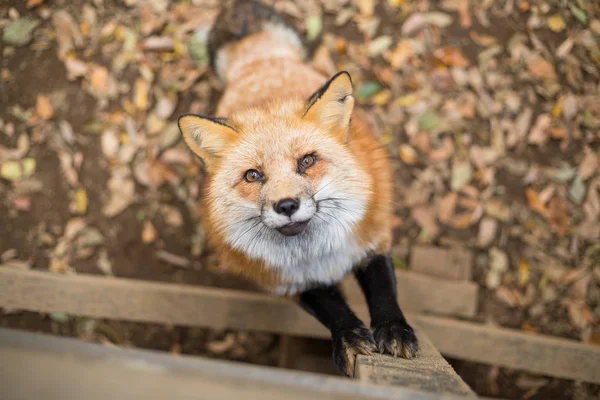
[541, 354]
[428, 372]
[141, 301]
[419, 293]
[36, 366]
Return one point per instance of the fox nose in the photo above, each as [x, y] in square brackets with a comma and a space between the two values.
[287, 206]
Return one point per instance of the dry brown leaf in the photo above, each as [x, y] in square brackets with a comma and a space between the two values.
[541, 69]
[99, 78]
[559, 222]
[482, 40]
[401, 54]
[446, 207]
[464, 14]
[407, 154]
[507, 296]
[34, 3]
[149, 233]
[535, 203]
[424, 217]
[43, 108]
[589, 165]
[540, 132]
[452, 56]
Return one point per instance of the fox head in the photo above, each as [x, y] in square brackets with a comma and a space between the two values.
[283, 180]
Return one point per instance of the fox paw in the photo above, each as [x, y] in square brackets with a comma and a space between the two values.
[396, 338]
[347, 344]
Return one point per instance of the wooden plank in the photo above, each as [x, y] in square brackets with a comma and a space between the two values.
[36, 366]
[544, 355]
[419, 293]
[140, 301]
[428, 372]
[455, 263]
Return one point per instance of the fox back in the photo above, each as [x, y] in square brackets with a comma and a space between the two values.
[299, 188]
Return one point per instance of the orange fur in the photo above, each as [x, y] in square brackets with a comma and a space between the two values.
[265, 101]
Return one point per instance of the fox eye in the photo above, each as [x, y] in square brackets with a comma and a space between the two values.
[252, 175]
[306, 162]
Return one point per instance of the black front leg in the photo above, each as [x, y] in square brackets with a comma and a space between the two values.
[350, 336]
[391, 331]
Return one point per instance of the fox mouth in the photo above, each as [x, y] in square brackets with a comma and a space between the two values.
[293, 228]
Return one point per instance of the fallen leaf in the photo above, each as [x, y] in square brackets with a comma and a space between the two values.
[589, 165]
[507, 297]
[446, 207]
[483, 40]
[314, 26]
[66, 32]
[461, 174]
[452, 56]
[367, 90]
[158, 43]
[366, 7]
[556, 23]
[43, 108]
[429, 121]
[498, 265]
[104, 263]
[541, 69]
[487, 232]
[171, 215]
[149, 233]
[81, 201]
[424, 217]
[122, 194]
[11, 170]
[417, 21]
[523, 273]
[407, 154]
[535, 203]
[140, 98]
[577, 190]
[540, 132]
[379, 45]
[403, 51]
[20, 31]
[34, 3]
[578, 13]
[99, 78]
[173, 259]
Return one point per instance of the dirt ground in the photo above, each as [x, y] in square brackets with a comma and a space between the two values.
[490, 110]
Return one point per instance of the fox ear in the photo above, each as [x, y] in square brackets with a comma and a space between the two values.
[332, 104]
[207, 137]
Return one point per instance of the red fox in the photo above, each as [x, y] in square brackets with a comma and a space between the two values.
[299, 190]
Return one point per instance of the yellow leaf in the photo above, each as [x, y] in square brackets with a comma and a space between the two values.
[29, 165]
[523, 273]
[81, 201]
[556, 23]
[141, 94]
[382, 98]
[557, 109]
[406, 101]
